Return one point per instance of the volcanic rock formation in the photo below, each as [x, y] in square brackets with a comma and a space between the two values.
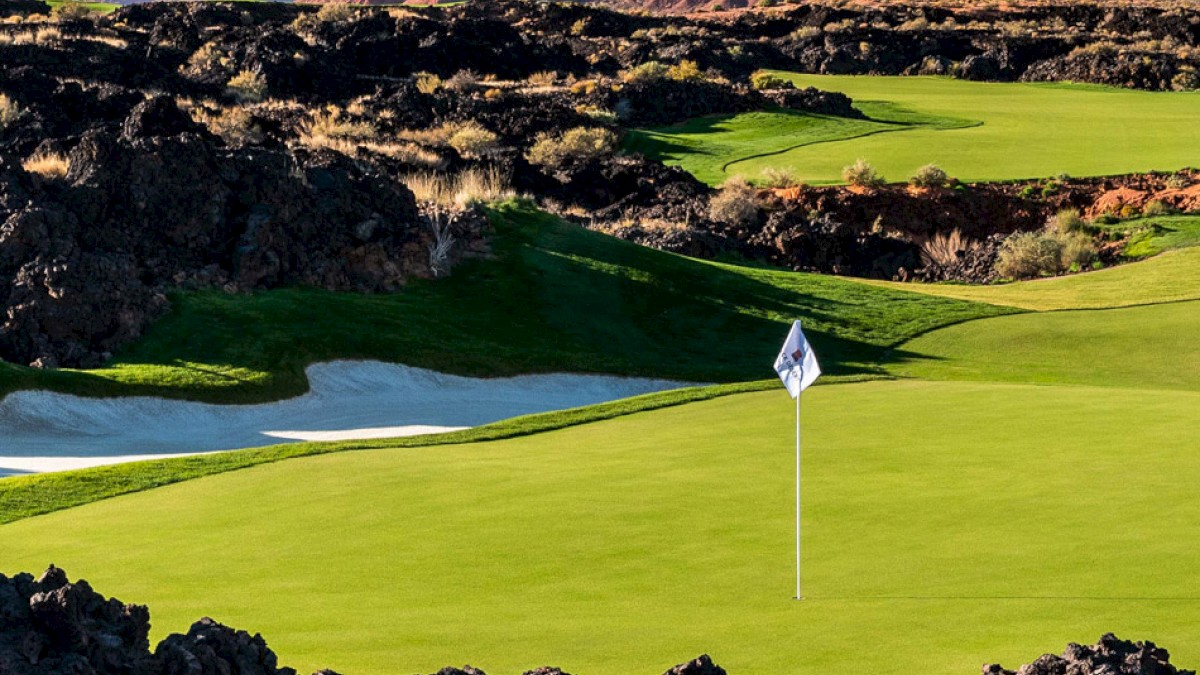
[1110, 656]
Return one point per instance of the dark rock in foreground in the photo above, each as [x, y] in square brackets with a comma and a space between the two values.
[1110, 656]
[50, 626]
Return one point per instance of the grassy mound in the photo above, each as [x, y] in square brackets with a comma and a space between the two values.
[1152, 347]
[1171, 277]
[948, 525]
[556, 297]
[1020, 131]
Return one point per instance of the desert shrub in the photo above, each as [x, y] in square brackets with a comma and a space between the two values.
[736, 203]
[473, 140]
[1078, 251]
[778, 177]
[579, 27]
[685, 71]
[580, 144]
[929, 176]
[1066, 221]
[427, 83]
[52, 165]
[234, 125]
[767, 3]
[583, 87]
[546, 78]
[1186, 80]
[600, 115]
[1178, 181]
[762, 79]
[646, 72]
[70, 11]
[862, 174]
[463, 80]
[335, 12]
[918, 23]
[10, 111]
[247, 86]
[1024, 255]
[1156, 207]
[840, 26]
[805, 33]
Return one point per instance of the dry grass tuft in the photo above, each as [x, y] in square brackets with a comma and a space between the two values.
[465, 190]
[325, 128]
[944, 249]
[10, 111]
[50, 165]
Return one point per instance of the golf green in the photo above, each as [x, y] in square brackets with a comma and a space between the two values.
[946, 525]
[976, 131]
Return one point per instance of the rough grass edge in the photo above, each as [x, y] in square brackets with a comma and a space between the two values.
[38, 494]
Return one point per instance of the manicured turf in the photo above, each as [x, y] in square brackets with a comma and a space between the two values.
[1170, 277]
[705, 145]
[1153, 347]
[101, 7]
[556, 297]
[947, 525]
[1023, 131]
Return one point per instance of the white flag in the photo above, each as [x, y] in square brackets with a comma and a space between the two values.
[797, 364]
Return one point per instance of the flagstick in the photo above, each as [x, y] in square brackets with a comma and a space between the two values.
[798, 596]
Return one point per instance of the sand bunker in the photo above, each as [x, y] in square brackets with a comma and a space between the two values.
[43, 431]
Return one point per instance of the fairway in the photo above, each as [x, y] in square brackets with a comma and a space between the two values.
[976, 131]
[626, 546]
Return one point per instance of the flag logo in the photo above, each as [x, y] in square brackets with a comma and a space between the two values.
[796, 364]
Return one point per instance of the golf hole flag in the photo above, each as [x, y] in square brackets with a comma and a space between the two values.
[797, 364]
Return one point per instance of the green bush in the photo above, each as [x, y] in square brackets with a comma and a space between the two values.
[929, 176]
[580, 144]
[762, 79]
[862, 174]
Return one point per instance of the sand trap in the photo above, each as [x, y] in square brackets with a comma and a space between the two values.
[43, 431]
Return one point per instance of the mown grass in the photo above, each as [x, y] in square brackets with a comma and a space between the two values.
[1152, 347]
[555, 297]
[1170, 277]
[705, 146]
[1023, 131]
[946, 525]
[101, 7]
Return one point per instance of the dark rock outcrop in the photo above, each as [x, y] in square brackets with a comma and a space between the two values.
[1110, 656]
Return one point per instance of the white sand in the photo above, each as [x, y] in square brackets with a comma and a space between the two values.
[43, 431]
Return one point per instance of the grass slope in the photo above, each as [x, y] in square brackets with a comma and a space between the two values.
[555, 298]
[947, 525]
[1023, 131]
[705, 145]
[1153, 347]
[1171, 277]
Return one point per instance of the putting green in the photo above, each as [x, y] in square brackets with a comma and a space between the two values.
[1023, 130]
[947, 524]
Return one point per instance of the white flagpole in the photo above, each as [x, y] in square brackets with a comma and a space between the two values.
[798, 596]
